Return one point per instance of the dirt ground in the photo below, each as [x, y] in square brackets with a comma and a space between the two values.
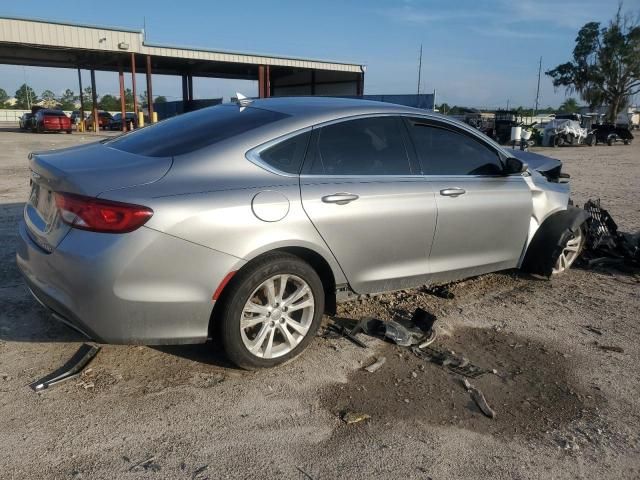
[565, 407]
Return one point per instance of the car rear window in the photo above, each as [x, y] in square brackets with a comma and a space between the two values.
[193, 131]
[53, 113]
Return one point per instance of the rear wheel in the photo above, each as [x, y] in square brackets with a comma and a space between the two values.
[570, 252]
[271, 312]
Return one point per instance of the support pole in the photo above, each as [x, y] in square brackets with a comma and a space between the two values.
[190, 85]
[264, 84]
[313, 82]
[94, 97]
[81, 125]
[133, 84]
[185, 93]
[360, 84]
[149, 89]
[123, 106]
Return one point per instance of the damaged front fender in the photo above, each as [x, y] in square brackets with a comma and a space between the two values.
[550, 238]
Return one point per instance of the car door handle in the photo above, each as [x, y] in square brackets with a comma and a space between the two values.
[340, 198]
[452, 192]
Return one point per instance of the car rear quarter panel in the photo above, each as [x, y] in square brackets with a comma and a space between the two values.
[211, 202]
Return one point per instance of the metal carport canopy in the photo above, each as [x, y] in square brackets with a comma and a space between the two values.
[36, 42]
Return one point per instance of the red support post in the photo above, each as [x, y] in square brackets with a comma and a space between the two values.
[94, 98]
[149, 89]
[264, 82]
[133, 85]
[123, 105]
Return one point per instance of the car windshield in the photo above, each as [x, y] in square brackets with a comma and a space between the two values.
[193, 131]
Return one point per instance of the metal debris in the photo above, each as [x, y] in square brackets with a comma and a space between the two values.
[198, 471]
[479, 399]
[307, 476]
[593, 329]
[374, 367]
[354, 417]
[605, 244]
[345, 332]
[69, 370]
[148, 464]
[457, 364]
[440, 291]
[611, 348]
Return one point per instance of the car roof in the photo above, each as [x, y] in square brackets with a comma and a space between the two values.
[303, 106]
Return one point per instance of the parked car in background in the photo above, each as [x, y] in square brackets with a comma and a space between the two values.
[104, 118]
[610, 134]
[249, 221]
[116, 121]
[47, 120]
[76, 116]
[25, 121]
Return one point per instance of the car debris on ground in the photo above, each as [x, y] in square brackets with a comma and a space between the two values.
[375, 366]
[354, 417]
[479, 399]
[69, 370]
[605, 244]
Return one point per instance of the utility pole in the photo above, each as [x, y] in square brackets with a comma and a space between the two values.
[419, 70]
[535, 110]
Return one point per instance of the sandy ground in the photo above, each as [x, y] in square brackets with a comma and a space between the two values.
[565, 408]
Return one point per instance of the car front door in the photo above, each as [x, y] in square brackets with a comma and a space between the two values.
[483, 214]
[369, 202]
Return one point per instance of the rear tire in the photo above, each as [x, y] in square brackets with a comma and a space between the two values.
[270, 311]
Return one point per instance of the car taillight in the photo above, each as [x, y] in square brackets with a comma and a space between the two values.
[97, 215]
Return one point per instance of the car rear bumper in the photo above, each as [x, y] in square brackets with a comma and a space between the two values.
[144, 287]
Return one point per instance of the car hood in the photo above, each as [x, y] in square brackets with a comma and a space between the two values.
[536, 161]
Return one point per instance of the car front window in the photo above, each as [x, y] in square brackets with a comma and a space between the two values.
[442, 151]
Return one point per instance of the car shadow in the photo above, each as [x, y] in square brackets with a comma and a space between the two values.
[210, 353]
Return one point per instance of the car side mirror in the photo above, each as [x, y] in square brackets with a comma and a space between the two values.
[513, 165]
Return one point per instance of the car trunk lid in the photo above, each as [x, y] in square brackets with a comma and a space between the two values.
[88, 170]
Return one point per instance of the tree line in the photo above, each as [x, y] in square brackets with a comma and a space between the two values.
[26, 97]
[570, 105]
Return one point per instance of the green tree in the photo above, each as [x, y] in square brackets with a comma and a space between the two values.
[87, 98]
[606, 64]
[3, 98]
[570, 105]
[128, 99]
[25, 97]
[444, 108]
[68, 100]
[49, 99]
[109, 102]
[142, 99]
[160, 99]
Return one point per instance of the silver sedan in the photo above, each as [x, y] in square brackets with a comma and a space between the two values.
[247, 222]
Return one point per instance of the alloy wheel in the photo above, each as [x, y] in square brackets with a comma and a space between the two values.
[569, 253]
[277, 316]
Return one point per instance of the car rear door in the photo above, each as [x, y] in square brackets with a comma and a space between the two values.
[366, 198]
[483, 214]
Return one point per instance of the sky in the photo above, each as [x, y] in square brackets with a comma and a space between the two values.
[480, 53]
